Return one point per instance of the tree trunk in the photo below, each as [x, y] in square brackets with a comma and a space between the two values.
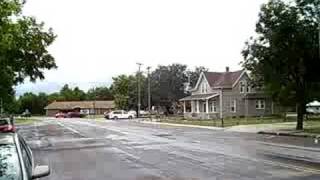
[300, 110]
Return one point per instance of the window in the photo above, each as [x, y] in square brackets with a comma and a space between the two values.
[260, 104]
[242, 87]
[248, 88]
[204, 88]
[233, 106]
[214, 106]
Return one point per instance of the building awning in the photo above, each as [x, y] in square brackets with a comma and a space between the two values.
[199, 97]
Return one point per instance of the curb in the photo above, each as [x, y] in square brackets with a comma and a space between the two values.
[289, 134]
[312, 149]
[182, 125]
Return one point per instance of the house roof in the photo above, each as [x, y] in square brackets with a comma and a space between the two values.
[223, 79]
[69, 105]
[199, 97]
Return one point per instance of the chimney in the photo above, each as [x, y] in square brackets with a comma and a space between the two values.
[227, 69]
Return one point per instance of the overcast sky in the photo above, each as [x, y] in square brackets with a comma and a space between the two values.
[99, 39]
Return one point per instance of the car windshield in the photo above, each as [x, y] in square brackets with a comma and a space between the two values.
[9, 163]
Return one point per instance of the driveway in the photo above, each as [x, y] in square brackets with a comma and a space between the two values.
[121, 150]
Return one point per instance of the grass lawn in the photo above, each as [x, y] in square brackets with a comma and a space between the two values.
[228, 122]
[312, 127]
[24, 121]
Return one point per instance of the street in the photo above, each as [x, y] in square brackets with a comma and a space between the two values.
[120, 150]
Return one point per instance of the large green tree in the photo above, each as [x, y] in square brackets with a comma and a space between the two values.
[284, 55]
[124, 90]
[23, 47]
[35, 104]
[99, 93]
[167, 84]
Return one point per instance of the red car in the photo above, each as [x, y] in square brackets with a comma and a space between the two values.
[61, 115]
[6, 125]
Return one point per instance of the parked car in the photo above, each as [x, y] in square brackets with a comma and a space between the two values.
[142, 113]
[6, 125]
[26, 114]
[120, 114]
[75, 115]
[61, 115]
[17, 160]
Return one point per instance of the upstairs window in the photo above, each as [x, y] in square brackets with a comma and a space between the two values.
[248, 88]
[204, 88]
[242, 87]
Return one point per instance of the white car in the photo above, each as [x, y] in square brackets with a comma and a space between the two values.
[120, 114]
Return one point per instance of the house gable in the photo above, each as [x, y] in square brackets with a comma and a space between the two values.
[202, 83]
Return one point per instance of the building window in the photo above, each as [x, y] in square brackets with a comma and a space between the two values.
[260, 104]
[248, 88]
[204, 88]
[233, 106]
[242, 87]
[214, 107]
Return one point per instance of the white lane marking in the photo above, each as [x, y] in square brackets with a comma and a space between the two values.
[69, 128]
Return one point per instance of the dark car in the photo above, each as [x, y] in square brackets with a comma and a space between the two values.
[75, 115]
[16, 159]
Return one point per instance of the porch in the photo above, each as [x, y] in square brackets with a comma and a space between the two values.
[201, 106]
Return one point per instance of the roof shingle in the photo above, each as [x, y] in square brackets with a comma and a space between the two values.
[222, 79]
[69, 105]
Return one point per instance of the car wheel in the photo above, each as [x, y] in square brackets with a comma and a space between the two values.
[115, 118]
[130, 117]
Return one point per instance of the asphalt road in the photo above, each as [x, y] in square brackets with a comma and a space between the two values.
[127, 150]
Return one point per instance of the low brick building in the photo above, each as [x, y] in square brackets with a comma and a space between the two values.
[87, 107]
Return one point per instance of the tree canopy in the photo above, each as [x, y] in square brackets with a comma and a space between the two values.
[284, 55]
[23, 47]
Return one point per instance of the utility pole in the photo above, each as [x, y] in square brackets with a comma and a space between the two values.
[139, 89]
[149, 90]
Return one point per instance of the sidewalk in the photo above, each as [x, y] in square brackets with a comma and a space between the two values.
[255, 128]
[180, 125]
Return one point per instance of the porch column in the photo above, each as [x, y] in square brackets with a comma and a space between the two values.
[192, 106]
[198, 109]
[184, 107]
[207, 106]
[221, 104]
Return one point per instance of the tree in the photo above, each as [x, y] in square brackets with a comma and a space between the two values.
[124, 90]
[35, 104]
[284, 57]
[167, 84]
[99, 93]
[195, 74]
[23, 48]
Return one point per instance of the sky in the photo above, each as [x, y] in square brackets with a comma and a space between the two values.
[100, 39]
